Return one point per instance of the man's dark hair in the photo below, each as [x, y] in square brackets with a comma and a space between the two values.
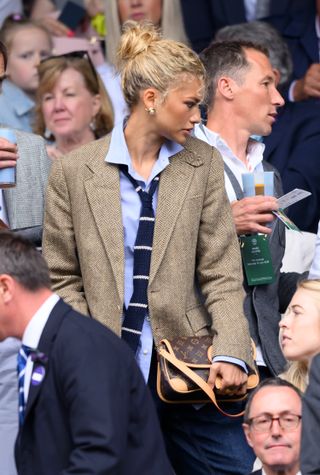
[265, 35]
[21, 260]
[4, 53]
[226, 58]
[269, 382]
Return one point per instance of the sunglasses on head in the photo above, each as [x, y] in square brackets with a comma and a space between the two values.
[74, 55]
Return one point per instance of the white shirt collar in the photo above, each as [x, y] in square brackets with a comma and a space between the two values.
[255, 149]
[254, 157]
[34, 329]
[118, 153]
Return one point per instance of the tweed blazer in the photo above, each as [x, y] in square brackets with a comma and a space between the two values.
[25, 202]
[194, 235]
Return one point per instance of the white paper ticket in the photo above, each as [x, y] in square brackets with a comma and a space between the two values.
[292, 197]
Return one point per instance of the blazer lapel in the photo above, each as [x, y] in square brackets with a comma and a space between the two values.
[174, 184]
[45, 345]
[103, 193]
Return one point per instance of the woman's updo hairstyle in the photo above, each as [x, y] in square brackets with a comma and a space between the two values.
[145, 59]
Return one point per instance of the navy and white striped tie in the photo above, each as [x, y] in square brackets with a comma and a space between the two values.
[23, 354]
[138, 305]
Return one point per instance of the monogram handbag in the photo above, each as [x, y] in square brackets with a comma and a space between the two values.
[183, 370]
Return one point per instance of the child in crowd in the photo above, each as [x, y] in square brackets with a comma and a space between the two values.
[28, 42]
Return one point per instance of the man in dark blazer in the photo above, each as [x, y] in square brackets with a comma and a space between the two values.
[293, 146]
[310, 455]
[272, 424]
[204, 18]
[87, 408]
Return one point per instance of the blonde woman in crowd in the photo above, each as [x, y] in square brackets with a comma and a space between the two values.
[133, 217]
[73, 107]
[300, 332]
[165, 14]
[300, 325]
[300, 340]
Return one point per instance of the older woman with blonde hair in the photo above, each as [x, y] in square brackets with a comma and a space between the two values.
[133, 218]
[73, 107]
[165, 14]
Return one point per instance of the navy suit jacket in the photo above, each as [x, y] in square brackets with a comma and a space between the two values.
[92, 412]
[293, 146]
[310, 455]
[203, 18]
[298, 30]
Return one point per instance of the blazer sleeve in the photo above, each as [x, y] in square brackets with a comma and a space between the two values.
[219, 269]
[59, 245]
[310, 455]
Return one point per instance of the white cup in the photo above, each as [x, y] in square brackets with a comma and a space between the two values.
[8, 175]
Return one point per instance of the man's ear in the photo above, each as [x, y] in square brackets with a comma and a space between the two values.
[226, 87]
[247, 433]
[6, 288]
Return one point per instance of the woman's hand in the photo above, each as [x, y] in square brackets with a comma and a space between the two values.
[8, 154]
[228, 379]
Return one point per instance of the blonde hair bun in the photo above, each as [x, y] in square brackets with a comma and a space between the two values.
[136, 39]
[145, 59]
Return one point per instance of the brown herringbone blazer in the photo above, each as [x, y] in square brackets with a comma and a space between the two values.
[194, 235]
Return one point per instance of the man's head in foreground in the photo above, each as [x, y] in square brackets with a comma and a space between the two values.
[24, 283]
[272, 424]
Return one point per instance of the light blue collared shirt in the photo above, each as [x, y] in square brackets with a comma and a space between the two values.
[16, 107]
[131, 207]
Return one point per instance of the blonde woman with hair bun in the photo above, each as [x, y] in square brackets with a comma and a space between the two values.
[139, 235]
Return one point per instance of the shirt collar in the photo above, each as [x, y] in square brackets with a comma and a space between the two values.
[19, 100]
[254, 148]
[118, 153]
[34, 329]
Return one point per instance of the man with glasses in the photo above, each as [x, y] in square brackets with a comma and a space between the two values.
[272, 425]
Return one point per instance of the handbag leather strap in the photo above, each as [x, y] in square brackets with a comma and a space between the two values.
[196, 379]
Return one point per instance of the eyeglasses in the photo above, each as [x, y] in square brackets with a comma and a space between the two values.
[263, 423]
[74, 55]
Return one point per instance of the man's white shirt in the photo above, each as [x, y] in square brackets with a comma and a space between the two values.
[254, 157]
[32, 335]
